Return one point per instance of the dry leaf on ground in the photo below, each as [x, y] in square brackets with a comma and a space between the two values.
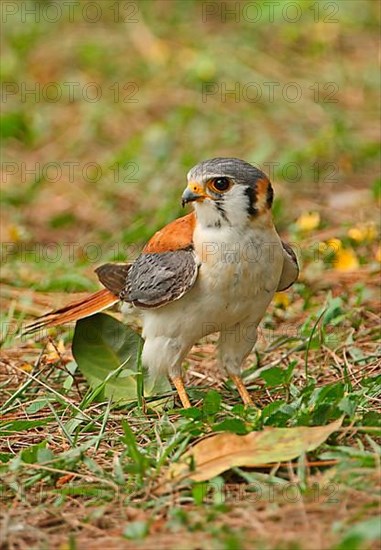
[222, 451]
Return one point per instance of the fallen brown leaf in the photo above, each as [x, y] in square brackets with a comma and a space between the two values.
[222, 451]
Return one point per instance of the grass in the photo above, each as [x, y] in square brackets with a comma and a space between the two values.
[79, 470]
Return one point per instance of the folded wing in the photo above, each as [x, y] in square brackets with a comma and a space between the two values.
[164, 272]
[290, 271]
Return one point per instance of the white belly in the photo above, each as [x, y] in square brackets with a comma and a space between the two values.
[236, 281]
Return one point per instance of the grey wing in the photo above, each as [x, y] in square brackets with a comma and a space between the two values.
[113, 276]
[290, 269]
[157, 279]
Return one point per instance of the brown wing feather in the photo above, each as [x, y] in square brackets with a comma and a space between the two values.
[113, 276]
[174, 236]
[76, 310]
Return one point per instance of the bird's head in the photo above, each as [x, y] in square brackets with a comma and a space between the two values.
[228, 191]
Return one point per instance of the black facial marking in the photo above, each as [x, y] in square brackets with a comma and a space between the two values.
[220, 208]
[250, 192]
[269, 196]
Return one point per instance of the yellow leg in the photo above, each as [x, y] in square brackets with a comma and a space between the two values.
[245, 396]
[179, 385]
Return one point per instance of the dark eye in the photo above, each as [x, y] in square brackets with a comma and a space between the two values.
[220, 184]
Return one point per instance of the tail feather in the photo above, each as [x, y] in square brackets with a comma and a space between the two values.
[73, 312]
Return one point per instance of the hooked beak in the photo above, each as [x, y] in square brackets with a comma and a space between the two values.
[194, 192]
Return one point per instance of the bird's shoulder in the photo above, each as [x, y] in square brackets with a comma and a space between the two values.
[176, 235]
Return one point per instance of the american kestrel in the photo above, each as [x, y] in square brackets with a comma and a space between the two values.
[213, 270]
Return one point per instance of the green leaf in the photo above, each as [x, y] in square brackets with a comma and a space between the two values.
[36, 406]
[329, 394]
[199, 491]
[333, 310]
[136, 530]
[372, 383]
[212, 403]
[133, 451]
[347, 405]
[239, 409]
[272, 407]
[44, 455]
[372, 418]
[23, 425]
[234, 425]
[289, 371]
[15, 125]
[107, 352]
[193, 413]
[273, 376]
[36, 453]
[367, 530]
[6, 457]
[118, 472]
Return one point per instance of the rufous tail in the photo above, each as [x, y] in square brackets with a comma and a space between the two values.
[73, 312]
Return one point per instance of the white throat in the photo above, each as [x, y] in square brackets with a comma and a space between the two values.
[230, 211]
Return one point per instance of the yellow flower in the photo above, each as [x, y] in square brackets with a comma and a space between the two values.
[329, 248]
[308, 221]
[16, 233]
[345, 260]
[335, 244]
[281, 299]
[27, 367]
[363, 232]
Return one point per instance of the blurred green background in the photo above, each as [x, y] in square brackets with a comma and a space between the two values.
[107, 105]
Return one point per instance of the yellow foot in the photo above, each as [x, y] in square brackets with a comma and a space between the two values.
[179, 385]
[245, 396]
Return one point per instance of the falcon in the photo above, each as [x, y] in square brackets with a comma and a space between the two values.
[214, 270]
